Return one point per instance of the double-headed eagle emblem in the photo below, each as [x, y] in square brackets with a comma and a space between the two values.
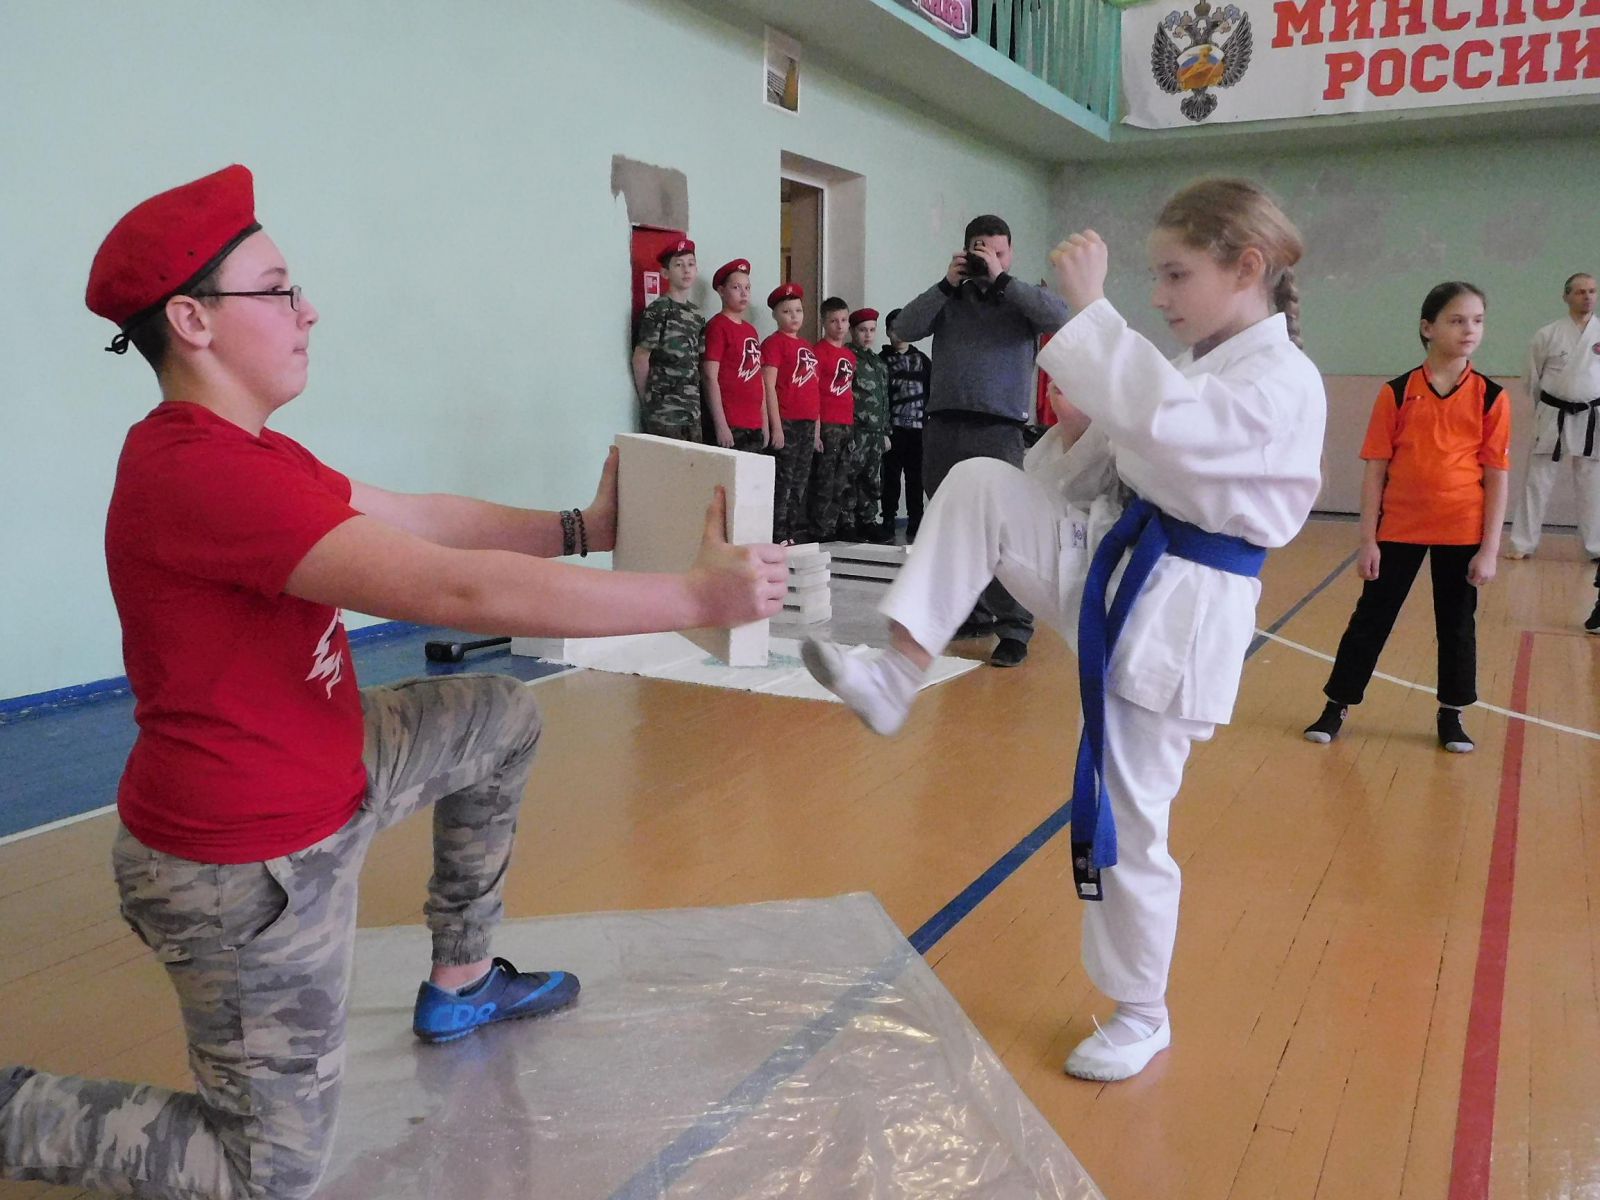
[1207, 62]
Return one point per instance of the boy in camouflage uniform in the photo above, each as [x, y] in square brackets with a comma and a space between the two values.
[872, 431]
[666, 358]
[255, 786]
[831, 466]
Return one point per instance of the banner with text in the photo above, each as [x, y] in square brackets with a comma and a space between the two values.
[952, 16]
[1264, 60]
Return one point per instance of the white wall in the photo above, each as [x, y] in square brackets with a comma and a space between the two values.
[438, 176]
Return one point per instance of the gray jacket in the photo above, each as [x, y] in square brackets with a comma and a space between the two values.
[984, 343]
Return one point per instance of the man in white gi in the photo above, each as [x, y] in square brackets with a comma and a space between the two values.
[1563, 382]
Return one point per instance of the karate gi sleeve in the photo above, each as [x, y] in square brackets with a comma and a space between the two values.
[1119, 378]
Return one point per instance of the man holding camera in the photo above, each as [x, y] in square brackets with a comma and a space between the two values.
[985, 327]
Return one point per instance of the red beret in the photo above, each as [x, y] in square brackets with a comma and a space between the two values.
[863, 314]
[728, 268]
[785, 291]
[164, 244]
[681, 246]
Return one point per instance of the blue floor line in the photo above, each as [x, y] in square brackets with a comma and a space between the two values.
[64, 759]
[652, 1181]
[701, 1138]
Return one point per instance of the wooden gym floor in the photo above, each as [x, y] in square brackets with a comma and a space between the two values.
[1386, 978]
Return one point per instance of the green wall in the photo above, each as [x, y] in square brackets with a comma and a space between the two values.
[1382, 226]
[438, 176]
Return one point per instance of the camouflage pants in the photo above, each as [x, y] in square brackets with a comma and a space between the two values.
[260, 956]
[673, 415]
[793, 476]
[830, 481]
[747, 439]
[866, 483]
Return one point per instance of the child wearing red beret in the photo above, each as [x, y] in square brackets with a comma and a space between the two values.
[830, 468]
[666, 358]
[731, 365]
[789, 370]
[261, 773]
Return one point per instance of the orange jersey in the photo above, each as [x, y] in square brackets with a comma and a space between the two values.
[1437, 448]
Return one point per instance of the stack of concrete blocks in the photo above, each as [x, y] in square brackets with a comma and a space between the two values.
[866, 560]
[810, 596]
[663, 489]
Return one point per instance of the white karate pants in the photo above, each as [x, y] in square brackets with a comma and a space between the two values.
[989, 520]
[1528, 522]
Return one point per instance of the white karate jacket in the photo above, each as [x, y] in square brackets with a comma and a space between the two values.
[1231, 442]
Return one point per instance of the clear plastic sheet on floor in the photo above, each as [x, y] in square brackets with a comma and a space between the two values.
[768, 1050]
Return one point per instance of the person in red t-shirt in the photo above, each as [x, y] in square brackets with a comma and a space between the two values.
[261, 773]
[794, 402]
[836, 375]
[731, 364]
[1435, 487]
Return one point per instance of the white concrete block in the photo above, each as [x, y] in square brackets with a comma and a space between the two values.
[811, 578]
[663, 488]
[801, 549]
[812, 592]
[806, 616]
[809, 562]
[878, 572]
[867, 552]
[551, 649]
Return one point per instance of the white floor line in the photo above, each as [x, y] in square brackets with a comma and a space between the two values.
[61, 824]
[1421, 687]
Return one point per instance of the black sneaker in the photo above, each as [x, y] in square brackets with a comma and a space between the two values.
[1008, 652]
[1592, 625]
[1326, 727]
[1451, 736]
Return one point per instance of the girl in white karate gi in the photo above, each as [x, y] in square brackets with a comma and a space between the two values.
[1221, 448]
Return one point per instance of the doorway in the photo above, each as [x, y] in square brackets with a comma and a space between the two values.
[801, 233]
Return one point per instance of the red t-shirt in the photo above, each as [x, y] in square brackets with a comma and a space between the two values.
[250, 726]
[1437, 448]
[836, 373]
[735, 347]
[796, 363]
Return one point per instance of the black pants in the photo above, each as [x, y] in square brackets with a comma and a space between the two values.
[949, 439]
[1455, 607]
[903, 458]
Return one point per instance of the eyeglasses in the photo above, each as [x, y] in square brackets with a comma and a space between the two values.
[293, 295]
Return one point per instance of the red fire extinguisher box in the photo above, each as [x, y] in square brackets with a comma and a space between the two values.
[649, 277]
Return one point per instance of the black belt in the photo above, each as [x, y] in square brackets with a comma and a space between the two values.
[1571, 408]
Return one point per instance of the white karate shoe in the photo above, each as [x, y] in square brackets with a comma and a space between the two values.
[872, 688]
[1102, 1060]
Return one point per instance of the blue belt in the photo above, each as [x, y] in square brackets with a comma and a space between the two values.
[1149, 533]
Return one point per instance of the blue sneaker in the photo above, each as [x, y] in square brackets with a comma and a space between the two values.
[505, 995]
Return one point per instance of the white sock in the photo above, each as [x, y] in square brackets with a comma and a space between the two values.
[879, 689]
[901, 676]
[1134, 1022]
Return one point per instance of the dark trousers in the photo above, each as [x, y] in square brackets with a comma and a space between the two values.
[1455, 607]
[949, 439]
[903, 458]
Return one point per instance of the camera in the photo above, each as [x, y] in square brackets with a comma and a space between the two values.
[976, 266]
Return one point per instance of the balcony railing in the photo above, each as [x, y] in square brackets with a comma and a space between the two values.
[1072, 45]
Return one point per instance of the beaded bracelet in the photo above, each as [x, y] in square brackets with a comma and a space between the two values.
[569, 541]
[574, 533]
[583, 533]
